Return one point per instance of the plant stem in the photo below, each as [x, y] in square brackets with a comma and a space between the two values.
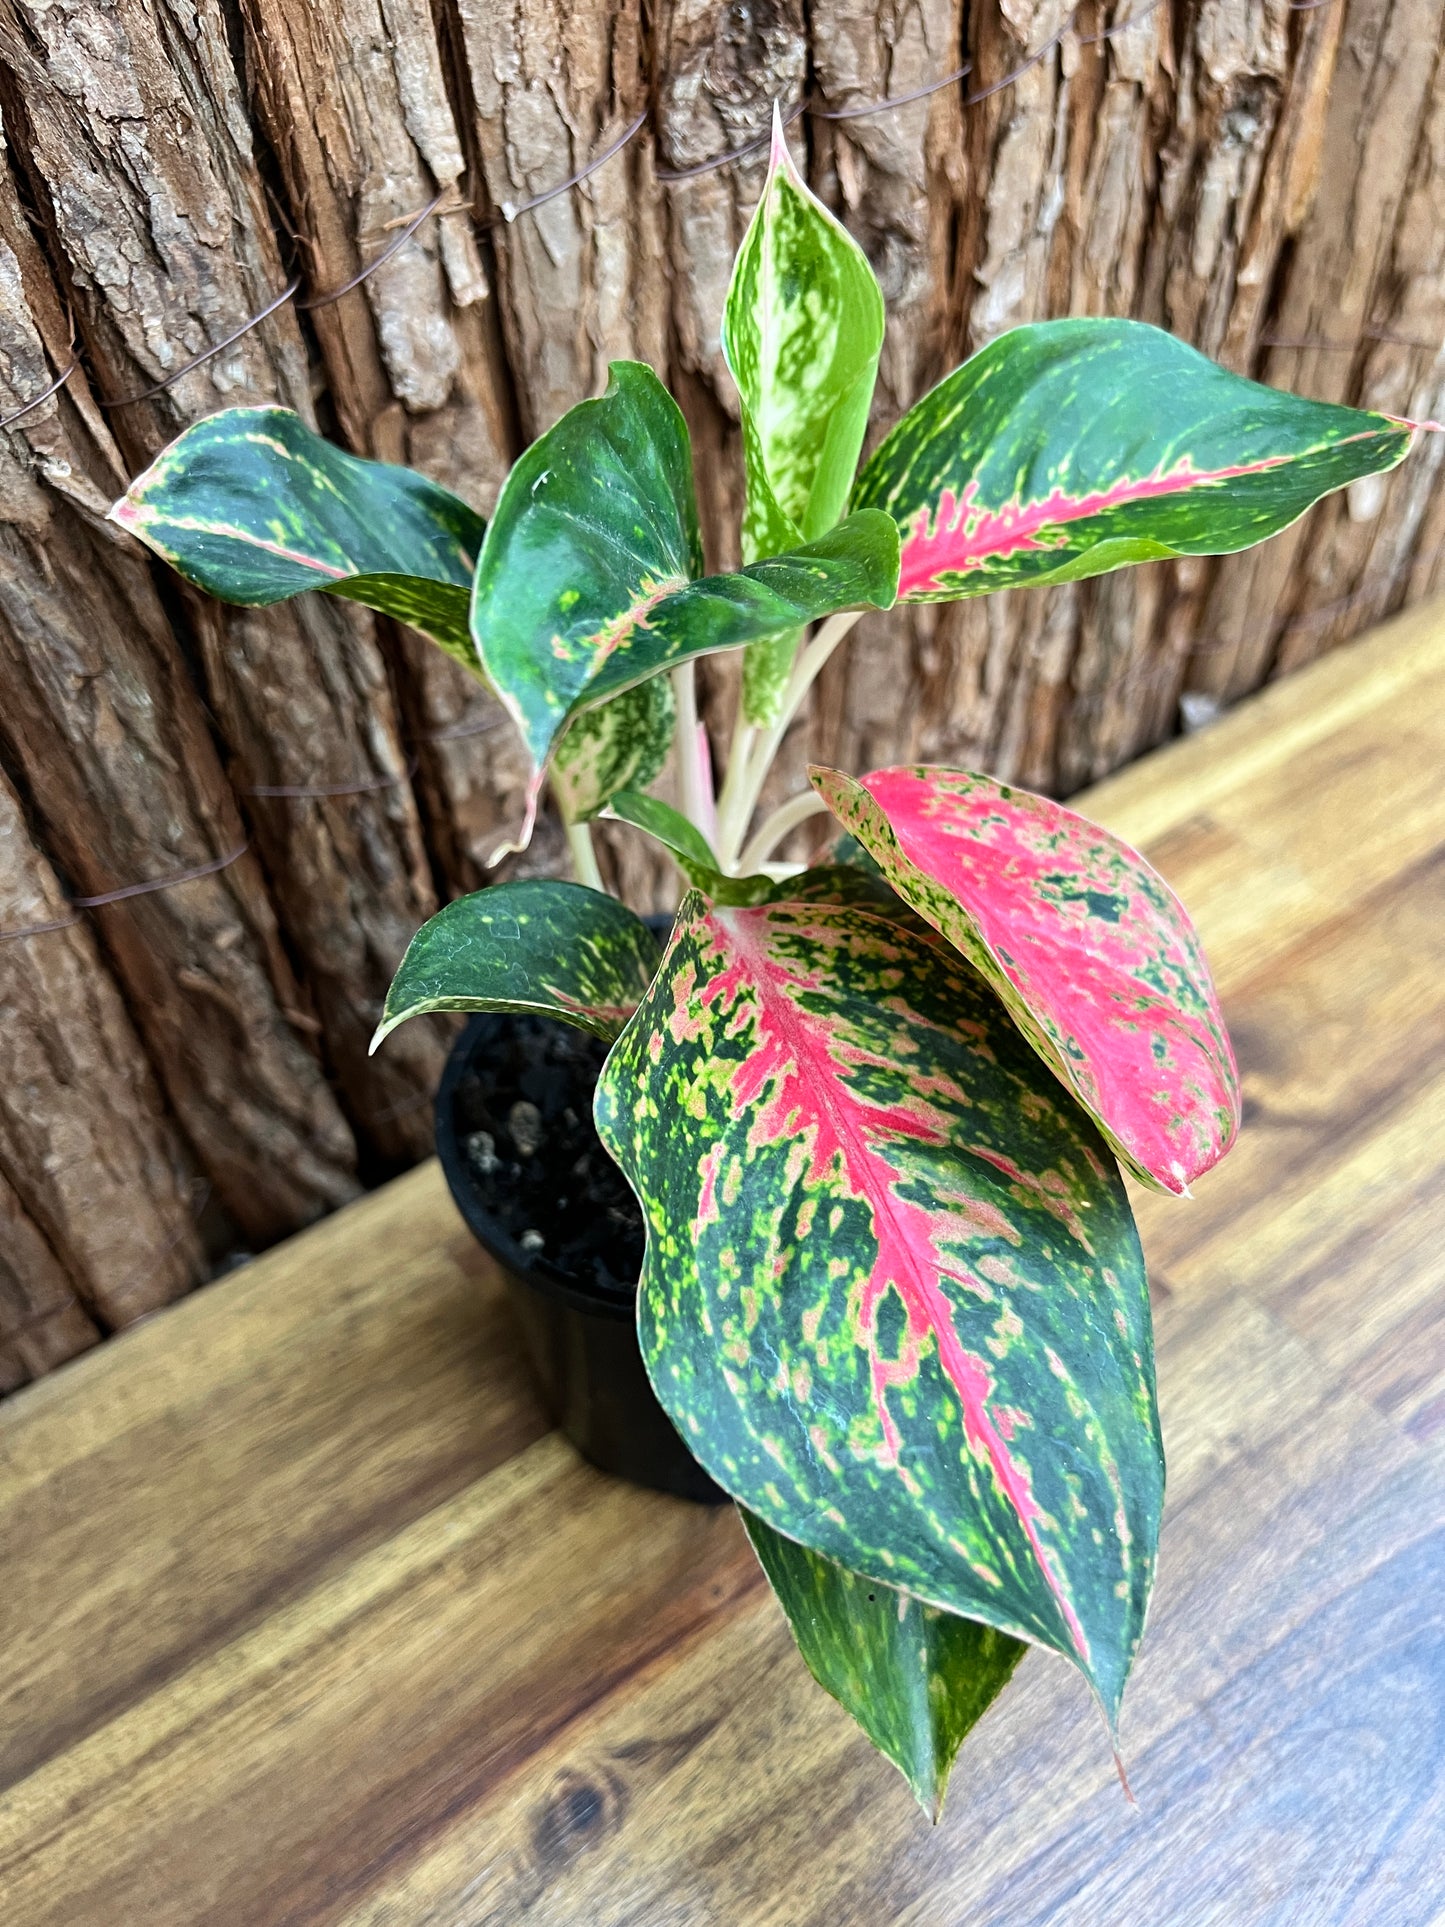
[738, 811]
[729, 830]
[584, 857]
[694, 775]
[781, 823]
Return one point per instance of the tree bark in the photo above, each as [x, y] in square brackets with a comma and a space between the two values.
[132, 130]
[1263, 179]
[92, 1164]
[102, 725]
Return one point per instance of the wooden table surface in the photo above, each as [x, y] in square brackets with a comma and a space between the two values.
[307, 1617]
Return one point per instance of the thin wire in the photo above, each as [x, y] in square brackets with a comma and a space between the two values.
[673, 174]
[984, 93]
[362, 787]
[454, 732]
[208, 354]
[59, 382]
[895, 100]
[1321, 344]
[126, 891]
[391, 248]
[508, 213]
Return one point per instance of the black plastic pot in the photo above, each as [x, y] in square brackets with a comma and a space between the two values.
[581, 1334]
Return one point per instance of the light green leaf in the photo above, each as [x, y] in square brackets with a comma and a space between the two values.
[620, 745]
[802, 330]
[915, 1678]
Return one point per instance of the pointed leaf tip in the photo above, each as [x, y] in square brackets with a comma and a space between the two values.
[916, 1680]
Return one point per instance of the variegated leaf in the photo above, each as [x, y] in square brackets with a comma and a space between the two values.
[916, 1679]
[1090, 949]
[252, 507]
[802, 329]
[893, 1297]
[1067, 448]
[554, 949]
[620, 745]
[584, 589]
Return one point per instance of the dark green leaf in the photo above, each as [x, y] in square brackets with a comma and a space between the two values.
[584, 588]
[555, 949]
[253, 507]
[691, 849]
[916, 1679]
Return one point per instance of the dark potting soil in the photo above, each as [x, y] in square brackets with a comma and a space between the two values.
[523, 1115]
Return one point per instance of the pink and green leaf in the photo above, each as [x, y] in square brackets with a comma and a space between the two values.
[251, 506]
[916, 1679]
[893, 1297]
[1089, 948]
[1064, 449]
[548, 948]
[802, 329]
[586, 584]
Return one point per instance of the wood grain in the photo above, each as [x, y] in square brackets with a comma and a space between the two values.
[308, 1619]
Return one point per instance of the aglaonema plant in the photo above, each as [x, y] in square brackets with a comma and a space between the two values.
[874, 1110]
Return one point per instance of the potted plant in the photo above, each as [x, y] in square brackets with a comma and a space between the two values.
[874, 1110]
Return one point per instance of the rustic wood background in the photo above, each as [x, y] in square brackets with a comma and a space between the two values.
[183, 1072]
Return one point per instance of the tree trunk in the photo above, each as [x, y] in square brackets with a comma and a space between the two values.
[99, 1191]
[1265, 180]
[137, 150]
[103, 728]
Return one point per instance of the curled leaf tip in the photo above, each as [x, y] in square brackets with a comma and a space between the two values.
[515, 846]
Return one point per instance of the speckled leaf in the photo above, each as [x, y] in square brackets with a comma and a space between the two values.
[620, 745]
[584, 586]
[893, 1297]
[916, 1679]
[555, 949]
[1089, 948]
[252, 507]
[802, 329]
[1064, 449]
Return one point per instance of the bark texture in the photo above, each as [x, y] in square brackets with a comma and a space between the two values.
[99, 1194]
[1266, 181]
[104, 730]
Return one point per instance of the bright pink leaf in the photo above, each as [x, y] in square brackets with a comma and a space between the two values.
[1088, 946]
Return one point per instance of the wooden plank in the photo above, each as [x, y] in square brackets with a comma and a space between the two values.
[308, 1619]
